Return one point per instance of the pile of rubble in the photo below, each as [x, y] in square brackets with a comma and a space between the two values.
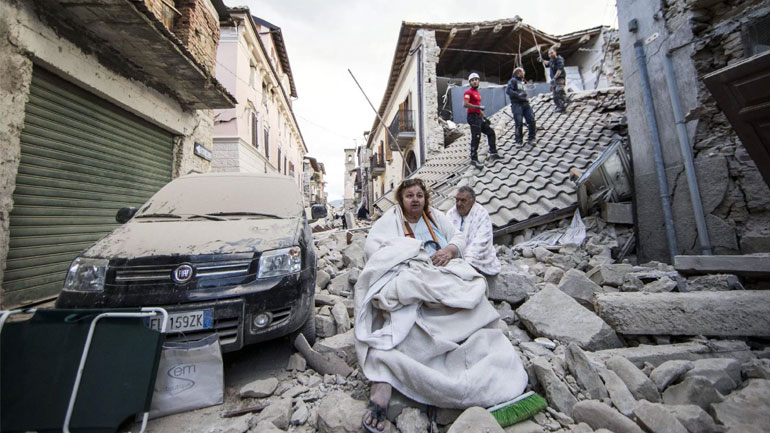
[612, 346]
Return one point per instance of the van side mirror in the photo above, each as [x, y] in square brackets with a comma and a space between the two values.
[318, 211]
[125, 213]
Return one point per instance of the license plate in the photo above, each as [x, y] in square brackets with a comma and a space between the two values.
[183, 321]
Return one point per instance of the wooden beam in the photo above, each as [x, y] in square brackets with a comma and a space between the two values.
[752, 266]
[536, 221]
[452, 35]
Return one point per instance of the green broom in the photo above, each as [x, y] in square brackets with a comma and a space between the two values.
[518, 409]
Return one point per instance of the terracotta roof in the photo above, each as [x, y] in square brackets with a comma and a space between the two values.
[529, 181]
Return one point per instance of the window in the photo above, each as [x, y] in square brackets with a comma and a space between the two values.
[267, 144]
[285, 165]
[254, 130]
[264, 93]
[291, 169]
[279, 160]
[253, 76]
[757, 37]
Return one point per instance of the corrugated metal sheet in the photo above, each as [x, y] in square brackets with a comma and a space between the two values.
[82, 159]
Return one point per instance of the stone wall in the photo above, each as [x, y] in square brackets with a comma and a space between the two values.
[717, 28]
[434, 133]
[198, 29]
[703, 36]
[185, 160]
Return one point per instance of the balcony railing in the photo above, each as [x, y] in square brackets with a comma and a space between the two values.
[377, 165]
[402, 127]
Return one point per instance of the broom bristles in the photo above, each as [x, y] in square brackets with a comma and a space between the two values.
[520, 410]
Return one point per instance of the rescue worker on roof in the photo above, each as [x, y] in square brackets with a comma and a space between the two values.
[477, 122]
[558, 79]
[520, 107]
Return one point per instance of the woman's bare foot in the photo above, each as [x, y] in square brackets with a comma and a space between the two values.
[379, 397]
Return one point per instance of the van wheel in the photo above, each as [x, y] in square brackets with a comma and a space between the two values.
[308, 330]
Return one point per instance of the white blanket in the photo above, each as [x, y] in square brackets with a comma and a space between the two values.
[428, 331]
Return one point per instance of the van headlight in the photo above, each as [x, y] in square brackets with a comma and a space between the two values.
[86, 275]
[280, 262]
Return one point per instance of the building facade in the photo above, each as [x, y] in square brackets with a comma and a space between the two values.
[313, 182]
[101, 105]
[260, 134]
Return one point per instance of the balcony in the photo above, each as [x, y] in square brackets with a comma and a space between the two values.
[377, 165]
[402, 128]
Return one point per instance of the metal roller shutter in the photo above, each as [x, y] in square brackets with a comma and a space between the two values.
[82, 159]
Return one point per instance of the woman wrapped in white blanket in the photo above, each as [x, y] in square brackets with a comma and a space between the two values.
[423, 324]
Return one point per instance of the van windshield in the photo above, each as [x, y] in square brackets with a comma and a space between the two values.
[224, 195]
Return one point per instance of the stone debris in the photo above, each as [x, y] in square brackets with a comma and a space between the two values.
[693, 418]
[475, 420]
[598, 415]
[620, 396]
[339, 413]
[748, 405]
[723, 314]
[641, 387]
[341, 318]
[669, 371]
[278, 413]
[301, 414]
[511, 285]
[576, 284]
[259, 388]
[724, 373]
[613, 347]
[412, 420]
[584, 373]
[656, 419]
[693, 390]
[296, 363]
[556, 392]
[554, 314]
[324, 363]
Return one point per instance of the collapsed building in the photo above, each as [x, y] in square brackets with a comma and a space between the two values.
[429, 71]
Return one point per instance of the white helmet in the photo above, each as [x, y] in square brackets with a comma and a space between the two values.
[473, 75]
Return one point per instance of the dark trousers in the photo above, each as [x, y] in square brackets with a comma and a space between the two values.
[559, 94]
[523, 111]
[477, 127]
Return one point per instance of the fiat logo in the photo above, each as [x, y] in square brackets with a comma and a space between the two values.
[182, 274]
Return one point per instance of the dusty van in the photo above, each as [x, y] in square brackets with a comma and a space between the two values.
[224, 253]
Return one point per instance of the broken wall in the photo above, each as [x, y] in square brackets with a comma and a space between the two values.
[599, 61]
[702, 36]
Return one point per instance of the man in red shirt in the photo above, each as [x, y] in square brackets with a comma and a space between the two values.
[477, 121]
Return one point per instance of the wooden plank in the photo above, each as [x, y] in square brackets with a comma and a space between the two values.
[754, 266]
[742, 93]
[536, 221]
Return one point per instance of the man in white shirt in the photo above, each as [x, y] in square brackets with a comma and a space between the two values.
[473, 221]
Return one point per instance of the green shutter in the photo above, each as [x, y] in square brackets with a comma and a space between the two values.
[82, 159]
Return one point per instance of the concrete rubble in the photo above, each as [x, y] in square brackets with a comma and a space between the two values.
[601, 363]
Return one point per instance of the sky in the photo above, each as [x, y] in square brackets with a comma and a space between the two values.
[326, 38]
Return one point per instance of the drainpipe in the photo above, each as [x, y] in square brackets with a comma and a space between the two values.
[689, 167]
[665, 199]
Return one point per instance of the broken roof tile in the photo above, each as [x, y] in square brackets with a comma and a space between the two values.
[529, 181]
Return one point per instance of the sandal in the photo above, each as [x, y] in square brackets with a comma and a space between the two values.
[377, 413]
